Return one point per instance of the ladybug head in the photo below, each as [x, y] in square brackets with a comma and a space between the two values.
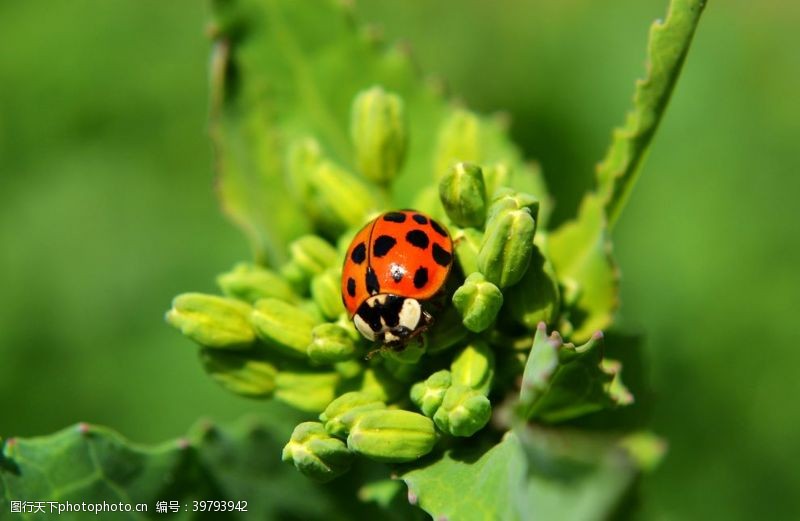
[390, 319]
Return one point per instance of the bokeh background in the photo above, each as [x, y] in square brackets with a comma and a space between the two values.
[107, 210]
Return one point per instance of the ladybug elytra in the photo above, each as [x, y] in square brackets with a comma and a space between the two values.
[394, 263]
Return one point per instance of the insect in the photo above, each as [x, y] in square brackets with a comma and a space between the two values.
[394, 263]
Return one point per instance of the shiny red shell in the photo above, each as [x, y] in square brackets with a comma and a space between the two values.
[404, 253]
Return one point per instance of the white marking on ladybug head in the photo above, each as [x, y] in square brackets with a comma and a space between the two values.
[363, 328]
[410, 314]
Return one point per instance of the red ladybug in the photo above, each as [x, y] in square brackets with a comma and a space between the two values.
[395, 262]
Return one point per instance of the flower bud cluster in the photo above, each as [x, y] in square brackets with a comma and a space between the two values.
[282, 332]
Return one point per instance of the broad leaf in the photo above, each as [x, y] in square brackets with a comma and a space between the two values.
[241, 463]
[562, 381]
[574, 476]
[288, 70]
[470, 484]
[533, 474]
[666, 51]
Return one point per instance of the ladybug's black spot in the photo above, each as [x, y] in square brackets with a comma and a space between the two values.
[351, 287]
[382, 245]
[395, 217]
[421, 219]
[418, 238]
[370, 315]
[373, 287]
[438, 228]
[441, 256]
[420, 277]
[359, 253]
[390, 310]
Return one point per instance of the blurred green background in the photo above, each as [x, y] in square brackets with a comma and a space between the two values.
[108, 211]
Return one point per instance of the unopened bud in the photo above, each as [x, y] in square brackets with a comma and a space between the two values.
[283, 326]
[428, 395]
[250, 283]
[505, 199]
[212, 321]
[327, 292]
[380, 135]
[239, 372]
[332, 197]
[306, 390]
[463, 195]
[343, 412]
[392, 435]
[330, 344]
[473, 367]
[464, 411]
[507, 245]
[317, 454]
[478, 301]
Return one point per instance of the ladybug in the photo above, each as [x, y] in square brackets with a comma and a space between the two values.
[394, 263]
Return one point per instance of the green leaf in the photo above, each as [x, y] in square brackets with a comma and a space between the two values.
[284, 71]
[580, 251]
[562, 381]
[94, 464]
[666, 51]
[532, 473]
[237, 463]
[470, 484]
[576, 476]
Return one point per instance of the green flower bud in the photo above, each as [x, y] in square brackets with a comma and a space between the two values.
[309, 256]
[536, 297]
[239, 372]
[313, 255]
[463, 412]
[331, 343]
[332, 197]
[393, 436]
[473, 367]
[380, 135]
[459, 140]
[463, 195]
[306, 390]
[327, 292]
[478, 302]
[505, 199]
[467, 242]
[283, 326]
[507, 245]
[342, 413]
[316, 454]
[250, 283]
[212, 321]
[428, 395]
